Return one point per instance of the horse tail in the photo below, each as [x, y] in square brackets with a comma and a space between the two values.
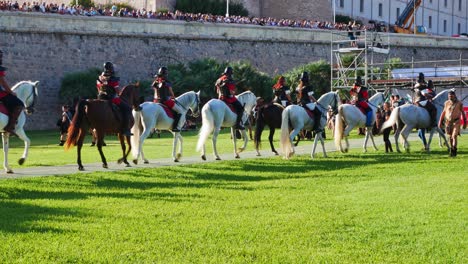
[285, 142]
[136, 131]
[207, 126]
[74, 130]
[259, 126]
[339, 127]
[393, 119]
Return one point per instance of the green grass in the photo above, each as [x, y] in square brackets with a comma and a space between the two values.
[352, 208]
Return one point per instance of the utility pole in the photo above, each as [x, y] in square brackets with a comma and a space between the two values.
[227, 8]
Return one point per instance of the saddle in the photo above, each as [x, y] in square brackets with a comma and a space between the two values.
[169, 112]
[309, 112]
[279, 105]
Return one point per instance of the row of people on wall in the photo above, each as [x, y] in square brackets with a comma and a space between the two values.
[99, 10]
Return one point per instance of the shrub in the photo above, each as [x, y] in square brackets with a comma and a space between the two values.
[78, 85]
[83, 3]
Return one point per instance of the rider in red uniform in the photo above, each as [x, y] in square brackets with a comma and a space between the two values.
[362, 94]
[14, 105]
[163, 94]
[226, 89]
[107, 85]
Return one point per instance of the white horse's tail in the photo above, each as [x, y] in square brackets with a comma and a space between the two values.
[285, 142]
[136, 131]
[207, 127]
[393, 119]
[339, 127]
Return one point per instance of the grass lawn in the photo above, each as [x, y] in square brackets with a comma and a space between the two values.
[352, 208]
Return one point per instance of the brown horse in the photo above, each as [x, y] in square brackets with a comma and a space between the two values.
[101, 116]
[270, 115]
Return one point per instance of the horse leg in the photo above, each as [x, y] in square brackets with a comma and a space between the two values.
[246, 140]
[442, 136]
[100, 140]
[143, 136]
[174, 147]
[5, 140]
[405, 133]
[428, 146]
[122, 139]
[79, 146]
[214, 140]
[234, 141]
[270, 138]
[181, 143]
[323, 146]
[27, 143]
[292, 135]
[312, 153]
[372, 138]
[346, 132]
[397, 137]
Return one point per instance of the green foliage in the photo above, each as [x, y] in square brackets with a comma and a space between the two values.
[319, 76]
[393, 63]
[83, 3]
[78, 85]
[215, 7]
[342, 19]
[202, 74]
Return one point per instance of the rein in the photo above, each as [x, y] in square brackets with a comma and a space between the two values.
[33, 95]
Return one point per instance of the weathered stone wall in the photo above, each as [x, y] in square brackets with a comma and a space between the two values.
[46, 47]
[298, 9]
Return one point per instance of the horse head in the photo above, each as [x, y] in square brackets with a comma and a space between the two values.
[440, 98]
[195, 105]
[376, 100]
[131, 95]
[26, 91]
[330, 99]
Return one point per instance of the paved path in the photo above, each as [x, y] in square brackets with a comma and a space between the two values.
[302, 149]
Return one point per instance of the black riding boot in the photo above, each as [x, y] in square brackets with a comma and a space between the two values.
[454, 151]
[126, 116]
[12, 119]
[239, 124]
[317, 119]
[386, 147]
[177, 117]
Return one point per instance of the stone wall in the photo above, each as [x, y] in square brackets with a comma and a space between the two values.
[46, 47]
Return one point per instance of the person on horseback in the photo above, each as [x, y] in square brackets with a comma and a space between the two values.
[453, 109]
[307, 99]
[14, 105]
[424, 92]
[107, 85]
[163, 94]
[362, 96]
[226, 89]
[281, 92]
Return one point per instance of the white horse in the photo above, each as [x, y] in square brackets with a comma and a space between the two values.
[296, 118]
[410, 116]
[353, 117]
[26, 91]
[216, 114]
[153, 115]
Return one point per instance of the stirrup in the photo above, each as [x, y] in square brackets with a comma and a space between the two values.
[175, 130]
[127, 133]
[239, 127]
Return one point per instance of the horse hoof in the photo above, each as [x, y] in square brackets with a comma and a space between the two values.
[135, 161]
[146, 162]
[258, 155]
[276, 153]
[127, 165]
[21, 161]
[237, 157]
[92, 144]
[218, 158]
[9, 171]
[120, 161]
[203, 157]
[176, 160]
[345, 150]
[105, 166]
[80, 168]
[178, 156]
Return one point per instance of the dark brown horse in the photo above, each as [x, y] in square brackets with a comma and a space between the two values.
[270, 115]
[101, 116]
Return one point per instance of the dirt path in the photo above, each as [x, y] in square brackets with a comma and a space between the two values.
[303, 149]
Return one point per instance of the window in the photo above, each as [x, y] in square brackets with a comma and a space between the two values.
[397, 13]
[380, 9]
[458, 29]
[341, 3]
[361, 6]
[459, 5]
[430, 21]
[445, 25]
[445, 3]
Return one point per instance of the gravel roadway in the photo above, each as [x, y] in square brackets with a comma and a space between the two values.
[302, 149]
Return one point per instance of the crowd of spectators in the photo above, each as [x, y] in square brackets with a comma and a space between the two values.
[78, 10]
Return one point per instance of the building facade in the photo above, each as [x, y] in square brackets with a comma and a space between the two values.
[440, 17]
